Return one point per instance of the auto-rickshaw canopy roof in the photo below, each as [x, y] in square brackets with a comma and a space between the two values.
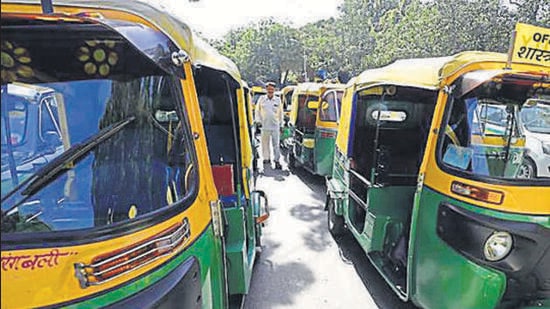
[423, 72]
[315, 88]
[169, 23]
[288, 88]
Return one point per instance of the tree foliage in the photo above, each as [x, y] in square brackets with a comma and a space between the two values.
[372, 33]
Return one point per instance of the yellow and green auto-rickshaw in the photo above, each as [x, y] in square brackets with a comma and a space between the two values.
[314, 123]
[427, 180]
[123, 185]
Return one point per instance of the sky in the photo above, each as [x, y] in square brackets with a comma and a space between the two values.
[214, 18]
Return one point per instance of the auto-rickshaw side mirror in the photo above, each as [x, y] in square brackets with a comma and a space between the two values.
[324, 105]
[261, 206]
[313, 104]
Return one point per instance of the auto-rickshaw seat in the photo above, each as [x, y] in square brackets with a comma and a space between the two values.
[223, 179]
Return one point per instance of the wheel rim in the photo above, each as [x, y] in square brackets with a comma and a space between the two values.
[526, 170]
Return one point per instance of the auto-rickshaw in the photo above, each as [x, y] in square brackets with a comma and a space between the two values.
[123, 185]
[313, 121]
[428, 181]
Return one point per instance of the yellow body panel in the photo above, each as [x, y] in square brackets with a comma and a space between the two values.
[40, 277]
[326, 124]
[287, 89]
[496, 141]
[248, 102]
[309, 143]
[258, 89]
[246, 143]
[344, 125]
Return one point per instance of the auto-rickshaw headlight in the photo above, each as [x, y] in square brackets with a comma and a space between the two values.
[497, 246]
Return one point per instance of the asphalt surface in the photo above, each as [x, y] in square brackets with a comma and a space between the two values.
[301, 265]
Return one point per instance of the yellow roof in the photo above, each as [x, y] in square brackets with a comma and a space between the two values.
[315, 88]
[423, 72]
[169, 23]
[288, 88]
[258, 89]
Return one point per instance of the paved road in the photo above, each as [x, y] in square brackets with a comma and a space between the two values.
[301, 265]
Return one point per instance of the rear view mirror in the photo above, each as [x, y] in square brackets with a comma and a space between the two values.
[261, 207]
[324, 105]
[313, 104]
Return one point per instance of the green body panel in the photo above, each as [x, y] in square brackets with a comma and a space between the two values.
[324, 152]
[440, 277]
[240, 252]
[437, 275]
[388, 212]
[306, 154]
[206, 249]
[337, 186]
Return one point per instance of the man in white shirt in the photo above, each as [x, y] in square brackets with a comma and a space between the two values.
[269, 113]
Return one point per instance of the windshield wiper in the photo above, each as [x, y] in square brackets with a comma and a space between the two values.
[52, 169]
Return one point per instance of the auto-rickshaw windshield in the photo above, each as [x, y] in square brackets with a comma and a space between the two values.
[53, 105]
[489, 123]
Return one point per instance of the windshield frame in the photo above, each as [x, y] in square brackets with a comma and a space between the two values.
[450, 96]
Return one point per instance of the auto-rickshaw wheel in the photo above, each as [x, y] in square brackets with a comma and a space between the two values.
[291, 159]
[527, 169]
[335, 223]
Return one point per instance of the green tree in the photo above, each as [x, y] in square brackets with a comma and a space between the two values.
[372, 33]
[263, 51]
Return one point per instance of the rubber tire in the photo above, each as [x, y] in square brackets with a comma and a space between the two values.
[335, 223]
[528, 163]
[291, 159]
